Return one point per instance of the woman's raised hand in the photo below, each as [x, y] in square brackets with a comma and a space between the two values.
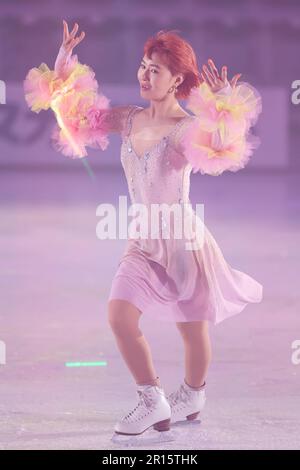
[69, 39]
[216, 81]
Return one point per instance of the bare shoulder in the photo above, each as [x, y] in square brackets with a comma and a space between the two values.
[183, 126]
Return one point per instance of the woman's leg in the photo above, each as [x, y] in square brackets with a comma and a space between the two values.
[124, 318]
[197, 351]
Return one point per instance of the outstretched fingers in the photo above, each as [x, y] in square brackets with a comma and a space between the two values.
[224, 74]
[213, 68]
[70, 40]
[208, 76]
[235, 79]
[66, 31]
[78, 40]
[212, 77]
[74, 30]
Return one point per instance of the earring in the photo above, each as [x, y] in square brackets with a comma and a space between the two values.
[172, 89]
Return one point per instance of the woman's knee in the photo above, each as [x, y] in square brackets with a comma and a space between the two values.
[193, 329]
[123, 316]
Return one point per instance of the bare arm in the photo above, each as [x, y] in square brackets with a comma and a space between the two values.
[113, 118]
[83, 113]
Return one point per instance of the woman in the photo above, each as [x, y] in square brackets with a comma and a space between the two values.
[161, 144]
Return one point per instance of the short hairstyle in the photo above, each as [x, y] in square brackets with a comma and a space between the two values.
[179, 56]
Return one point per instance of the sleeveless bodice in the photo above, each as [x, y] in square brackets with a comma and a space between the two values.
[161, 174]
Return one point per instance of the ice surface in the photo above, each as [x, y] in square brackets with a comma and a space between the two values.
[56, 275]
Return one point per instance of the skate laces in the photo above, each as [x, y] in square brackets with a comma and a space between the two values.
[182, 394]
[145, 401]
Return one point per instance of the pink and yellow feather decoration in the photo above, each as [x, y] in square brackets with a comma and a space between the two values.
[219, 137]
[73, 96]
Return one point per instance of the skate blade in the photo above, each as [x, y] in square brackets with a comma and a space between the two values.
[186, 422]
[144, 439]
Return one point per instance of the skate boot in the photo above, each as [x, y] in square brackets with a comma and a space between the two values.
[152, 409]
[186, 403]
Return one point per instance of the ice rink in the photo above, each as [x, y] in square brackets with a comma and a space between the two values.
[55, 278]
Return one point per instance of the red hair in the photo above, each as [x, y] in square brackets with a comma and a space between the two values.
[179, 56]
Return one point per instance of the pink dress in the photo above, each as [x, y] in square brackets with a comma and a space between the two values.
[172, 276]
[161, 277]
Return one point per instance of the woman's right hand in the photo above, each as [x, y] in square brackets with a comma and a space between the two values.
[69, 39]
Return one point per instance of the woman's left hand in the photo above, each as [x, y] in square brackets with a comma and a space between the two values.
[214, 80]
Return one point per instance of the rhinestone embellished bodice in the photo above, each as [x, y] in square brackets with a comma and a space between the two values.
[161, 174]
[186, 275]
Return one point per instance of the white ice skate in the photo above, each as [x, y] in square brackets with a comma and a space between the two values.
[152, 409]
[186, 403]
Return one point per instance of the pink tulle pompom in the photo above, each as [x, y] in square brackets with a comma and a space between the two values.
[219, 136]
[210, 154]
[42, 86]
[38, 87]
[81, 125]
[96, 112]
[71, 91]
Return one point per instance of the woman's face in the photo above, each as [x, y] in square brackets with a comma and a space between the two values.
[155, 77]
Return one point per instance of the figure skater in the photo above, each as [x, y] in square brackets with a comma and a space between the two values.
[161, 145]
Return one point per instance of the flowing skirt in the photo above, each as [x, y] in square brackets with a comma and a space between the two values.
[182, 279]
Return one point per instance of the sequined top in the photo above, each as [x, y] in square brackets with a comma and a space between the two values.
[174, 278]
[161, 174]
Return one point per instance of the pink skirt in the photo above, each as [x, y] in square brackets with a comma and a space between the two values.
[170, 283]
